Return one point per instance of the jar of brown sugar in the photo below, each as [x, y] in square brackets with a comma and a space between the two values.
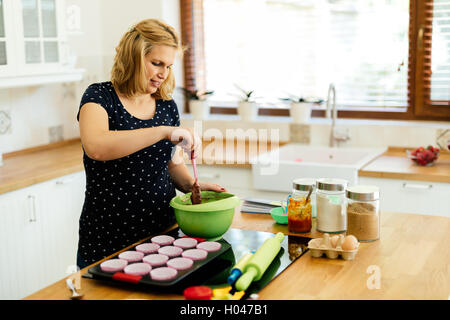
[363, 212]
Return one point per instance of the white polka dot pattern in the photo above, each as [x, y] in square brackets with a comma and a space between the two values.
[128, 198]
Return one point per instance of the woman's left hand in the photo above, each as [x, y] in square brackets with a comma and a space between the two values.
[208, 186]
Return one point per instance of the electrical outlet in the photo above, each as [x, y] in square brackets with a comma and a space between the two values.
[5, 121]
[55, 133]
[443, 139]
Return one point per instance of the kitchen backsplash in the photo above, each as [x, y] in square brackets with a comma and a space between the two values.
[363, 133]
[39, 115]
[36, 113]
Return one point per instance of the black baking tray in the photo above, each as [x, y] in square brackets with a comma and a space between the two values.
[215, 273]
[146, 280]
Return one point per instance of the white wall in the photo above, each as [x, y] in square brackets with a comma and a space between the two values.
[103, 22]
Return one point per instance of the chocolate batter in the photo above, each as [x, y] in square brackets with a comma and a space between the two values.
[196, 196]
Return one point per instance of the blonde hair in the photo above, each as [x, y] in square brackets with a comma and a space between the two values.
[128, 72]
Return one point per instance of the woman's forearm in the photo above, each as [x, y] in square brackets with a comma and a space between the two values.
[180, 174]
[110, 145]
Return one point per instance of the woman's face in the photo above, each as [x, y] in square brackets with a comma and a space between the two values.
[157, 64]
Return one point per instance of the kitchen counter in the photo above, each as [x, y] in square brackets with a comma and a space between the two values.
[30, 166]
[412, 261]
[393, 164]
[35, 165]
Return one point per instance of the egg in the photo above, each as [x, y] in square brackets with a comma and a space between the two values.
[340, 241]
[350, 243]
[334, 240]
[326, 241]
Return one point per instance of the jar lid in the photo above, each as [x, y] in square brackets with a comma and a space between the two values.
[363, 193]
[303, 184]
[330, 184]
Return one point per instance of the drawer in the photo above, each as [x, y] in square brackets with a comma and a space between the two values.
[406, 196]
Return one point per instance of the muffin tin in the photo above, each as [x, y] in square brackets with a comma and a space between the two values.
[318, 248]
[178, 256]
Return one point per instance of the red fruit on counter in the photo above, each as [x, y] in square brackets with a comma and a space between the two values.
[420, 159]
[428, 155]
[424, 156]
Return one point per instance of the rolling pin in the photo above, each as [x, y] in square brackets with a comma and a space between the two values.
[259, 261]
[236, 272]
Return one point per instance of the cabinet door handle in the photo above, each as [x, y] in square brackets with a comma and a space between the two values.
[417, 186]
[32, 203]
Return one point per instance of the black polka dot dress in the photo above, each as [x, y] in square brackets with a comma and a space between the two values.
[126, 199]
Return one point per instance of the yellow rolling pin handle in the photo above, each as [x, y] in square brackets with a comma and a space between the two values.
[259, 261]
[236, 272]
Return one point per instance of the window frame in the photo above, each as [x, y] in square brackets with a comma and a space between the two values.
[423, 36]
[418, 108]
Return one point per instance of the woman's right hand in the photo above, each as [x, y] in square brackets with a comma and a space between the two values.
[186, 138]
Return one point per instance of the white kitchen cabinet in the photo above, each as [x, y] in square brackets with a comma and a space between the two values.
[31, 36]
[33, 44]
[406, 196]
[39, 234]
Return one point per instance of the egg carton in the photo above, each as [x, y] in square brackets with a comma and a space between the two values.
[319, 246]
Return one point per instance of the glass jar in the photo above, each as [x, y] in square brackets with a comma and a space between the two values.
[363, 212]
[300, 210]
[331, 210]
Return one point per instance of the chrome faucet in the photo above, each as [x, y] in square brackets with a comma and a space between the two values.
[334, 135]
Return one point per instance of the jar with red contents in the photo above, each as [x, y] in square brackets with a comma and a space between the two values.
[300, 207]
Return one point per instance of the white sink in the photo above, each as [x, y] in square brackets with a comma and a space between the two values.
[275, 170]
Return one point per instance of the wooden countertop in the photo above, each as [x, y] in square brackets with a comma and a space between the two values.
[30, 166]
[27, 167]
[412, 259]
[393, 164]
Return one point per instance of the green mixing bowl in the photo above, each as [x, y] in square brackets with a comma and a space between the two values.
[210, 219]
[277, 215]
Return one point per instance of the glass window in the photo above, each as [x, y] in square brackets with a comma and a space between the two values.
[3, 60]
[48, 18]
[40, 15]
[32, 52]
[298, 47]
[2, 24]
[30, 18]
[51, 51]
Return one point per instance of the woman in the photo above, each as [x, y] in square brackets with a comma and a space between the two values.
[129, 127]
